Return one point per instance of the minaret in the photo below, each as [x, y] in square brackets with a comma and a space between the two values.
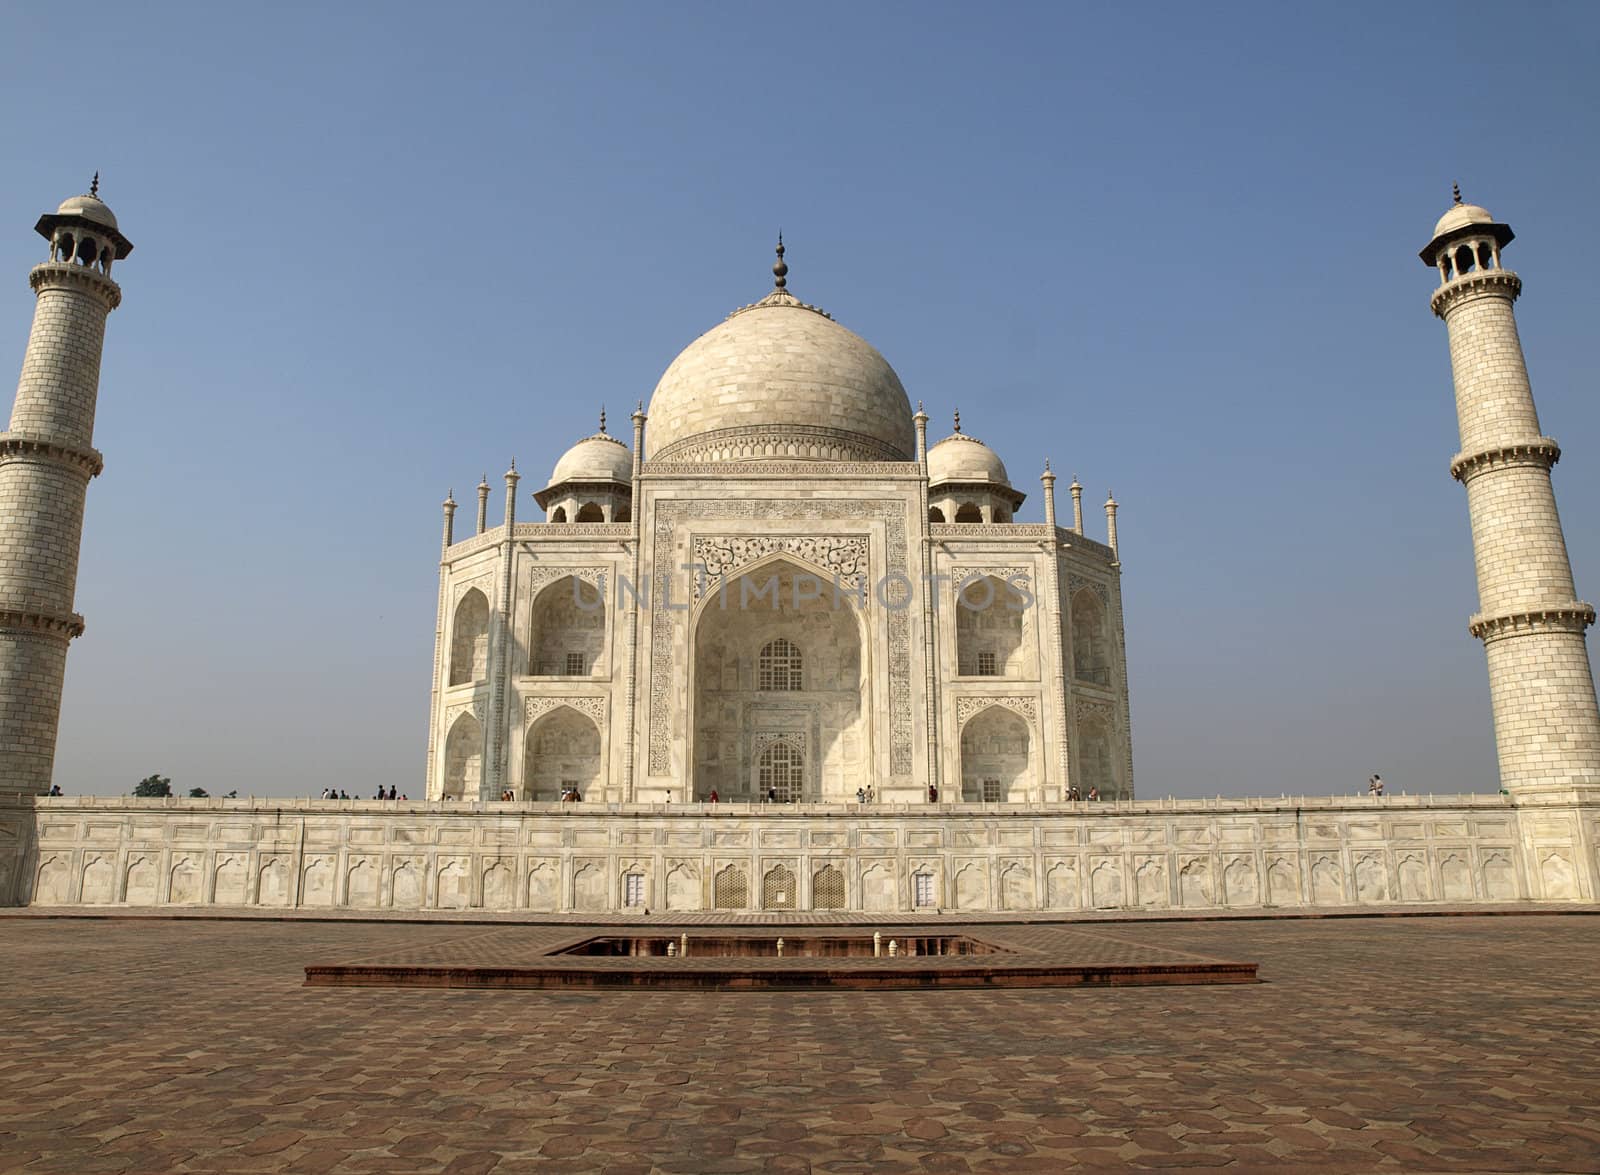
[1546, 723]
[46, 461]
[1111, 528]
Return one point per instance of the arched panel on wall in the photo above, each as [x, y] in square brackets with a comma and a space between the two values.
[989, 629]
[1091, 639]
[469, 639]
[562, 753]
[996, 757]
[463, 758]
[568, 634]
[776, 656]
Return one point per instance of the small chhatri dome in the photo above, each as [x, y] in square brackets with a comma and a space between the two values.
[963, 458]
[598, 457]
[780, 380]
[87, 211]
[1464, 220]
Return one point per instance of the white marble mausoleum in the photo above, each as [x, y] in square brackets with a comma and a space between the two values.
[780, 591]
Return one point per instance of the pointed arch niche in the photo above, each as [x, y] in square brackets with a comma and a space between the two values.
[996, 757]
[990, 629]
[563, 750]
[1091, 638]
[463, 758]
[779, 614]
[1097, 766]
[568, 638]
[469, 639]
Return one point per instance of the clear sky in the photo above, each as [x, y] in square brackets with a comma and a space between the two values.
[382, 249]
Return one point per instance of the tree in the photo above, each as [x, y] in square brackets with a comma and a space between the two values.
[155, 785]
[199, 793]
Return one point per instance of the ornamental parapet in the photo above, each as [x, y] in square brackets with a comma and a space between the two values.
[80, 458]
[1573, 617]
[66, 625]
[990, 530]
[786, 470]
[1496, 283]
[1540, 452]
[63, 273]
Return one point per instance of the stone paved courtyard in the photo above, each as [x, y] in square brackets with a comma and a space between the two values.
[1445, 1043]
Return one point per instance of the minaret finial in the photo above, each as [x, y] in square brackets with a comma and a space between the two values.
[1455, 190]
[94, 186]
[602, 418]
[780, 271]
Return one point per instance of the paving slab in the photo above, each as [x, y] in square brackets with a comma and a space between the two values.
[1455, 1043]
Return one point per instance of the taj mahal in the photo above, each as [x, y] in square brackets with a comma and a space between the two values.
[780, 591]
[770, 649]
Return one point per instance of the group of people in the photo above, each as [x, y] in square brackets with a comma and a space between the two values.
[569, 795]
[1375, 786]
[1075, 795]
[338, 793]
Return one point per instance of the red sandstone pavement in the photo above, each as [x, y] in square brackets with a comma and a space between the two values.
[1418, 1044]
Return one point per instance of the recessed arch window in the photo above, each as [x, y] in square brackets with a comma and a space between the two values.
[781, 666]
[782, 771]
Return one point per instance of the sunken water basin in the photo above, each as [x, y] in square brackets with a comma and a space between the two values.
[751, 946]
[547, 956]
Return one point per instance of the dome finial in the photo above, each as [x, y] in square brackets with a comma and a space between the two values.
[1455, 190]
[780, 271]
[958, 420]
[602, 418]
[94, 185]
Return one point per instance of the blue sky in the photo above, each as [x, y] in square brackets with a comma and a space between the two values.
[381, 249]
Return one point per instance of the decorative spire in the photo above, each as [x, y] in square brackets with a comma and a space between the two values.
[780, 271]
[1047, 465]
[484, 484]
[1455, 190]
[602, 419]
[958, 420]
[94, 186]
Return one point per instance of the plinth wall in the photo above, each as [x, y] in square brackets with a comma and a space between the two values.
[553, 858]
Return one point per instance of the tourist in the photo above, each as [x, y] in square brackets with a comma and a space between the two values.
[861, 795]
[772, 795]
[933, 793]
[871, 796]
[1377, 785]
[1094, 793]
[55, 789]
[713, 796]
[1073, 795]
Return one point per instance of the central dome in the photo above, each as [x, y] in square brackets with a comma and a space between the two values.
[779, 381]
